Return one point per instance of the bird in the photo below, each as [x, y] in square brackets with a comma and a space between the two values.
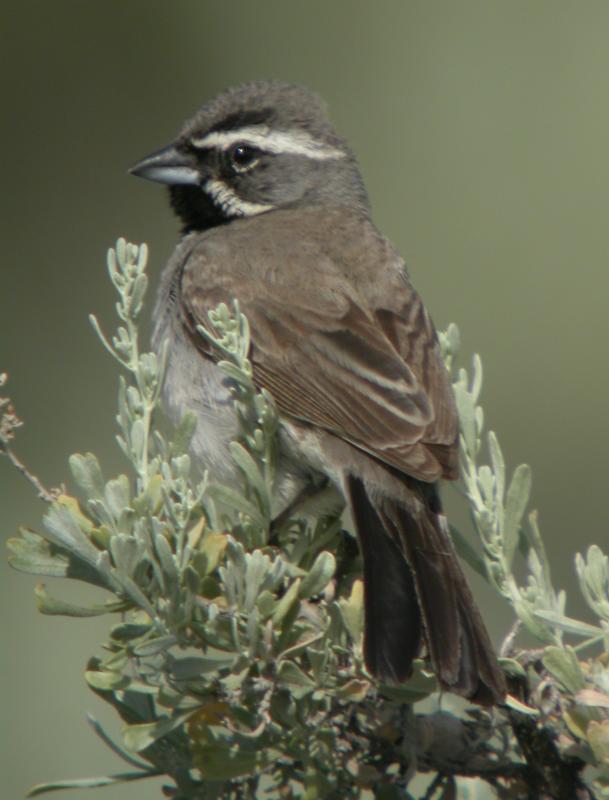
[275, 214]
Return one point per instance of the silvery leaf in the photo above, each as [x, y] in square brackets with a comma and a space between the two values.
[87, 474]
[515, 505]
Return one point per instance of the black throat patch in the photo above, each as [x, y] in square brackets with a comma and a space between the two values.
[195, 208]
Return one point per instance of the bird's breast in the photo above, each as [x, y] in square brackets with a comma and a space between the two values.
[194, 383]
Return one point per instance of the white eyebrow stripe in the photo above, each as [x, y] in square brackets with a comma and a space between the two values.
[231, 203]
[273, 141]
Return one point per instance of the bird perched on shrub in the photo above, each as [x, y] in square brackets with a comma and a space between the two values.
[275, 214]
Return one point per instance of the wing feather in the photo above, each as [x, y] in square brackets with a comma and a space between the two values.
[369, 373]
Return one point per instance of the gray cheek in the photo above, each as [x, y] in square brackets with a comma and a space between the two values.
[281, 182]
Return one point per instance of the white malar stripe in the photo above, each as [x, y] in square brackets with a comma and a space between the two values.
[296, 142]
[230, 203]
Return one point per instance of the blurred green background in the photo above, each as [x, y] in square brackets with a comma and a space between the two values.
[482, 130]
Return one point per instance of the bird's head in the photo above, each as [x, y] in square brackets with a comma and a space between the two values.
[255, 148]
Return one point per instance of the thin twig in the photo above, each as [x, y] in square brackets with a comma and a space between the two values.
[9, 422]
[507, 646]
[435, 784]
[48, 495]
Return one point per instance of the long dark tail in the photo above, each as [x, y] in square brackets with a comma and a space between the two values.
[415, 591]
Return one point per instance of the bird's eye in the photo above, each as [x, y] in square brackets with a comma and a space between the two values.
[243, 157]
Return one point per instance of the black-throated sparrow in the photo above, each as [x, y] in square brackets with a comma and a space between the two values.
[276, 215]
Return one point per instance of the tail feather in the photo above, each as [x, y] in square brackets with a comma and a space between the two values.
[415, 590]
[393, 633]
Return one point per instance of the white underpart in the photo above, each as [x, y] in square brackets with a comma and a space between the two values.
[231, 203]
[295, 142]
